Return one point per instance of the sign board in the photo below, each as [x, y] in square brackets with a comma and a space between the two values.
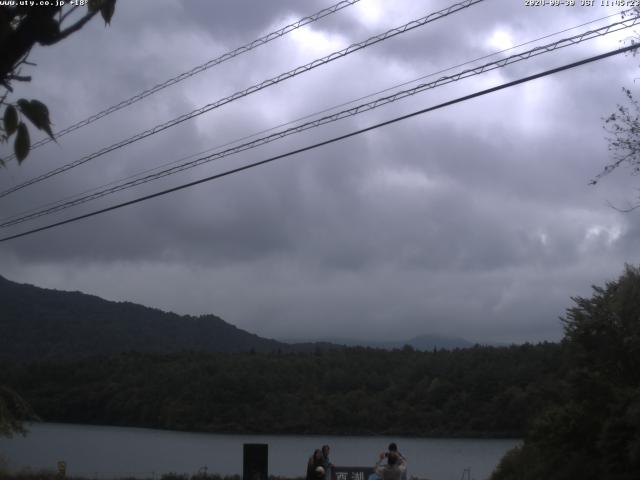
[255, 463]
[351, 473]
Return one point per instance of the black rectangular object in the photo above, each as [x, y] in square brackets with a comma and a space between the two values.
[255, 461]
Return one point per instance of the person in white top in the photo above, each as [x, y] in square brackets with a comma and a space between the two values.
[394, 469]
[394, 448]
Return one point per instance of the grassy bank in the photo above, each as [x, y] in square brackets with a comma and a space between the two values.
[50, 475]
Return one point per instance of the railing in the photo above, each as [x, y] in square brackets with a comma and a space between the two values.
[466, 474]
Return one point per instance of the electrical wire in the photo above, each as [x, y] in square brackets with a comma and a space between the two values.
[253, 89]
[574, 40]
[299, 119]
[329, 141]
[199, 69]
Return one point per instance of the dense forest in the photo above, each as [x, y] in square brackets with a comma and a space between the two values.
[593, 433]
[480, 391]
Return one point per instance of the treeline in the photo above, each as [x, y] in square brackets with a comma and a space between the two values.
[593, 433]
[475, 392]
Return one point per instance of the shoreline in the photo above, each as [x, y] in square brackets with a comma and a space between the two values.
[286, 434]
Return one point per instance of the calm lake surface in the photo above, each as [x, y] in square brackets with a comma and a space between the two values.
[107, 452]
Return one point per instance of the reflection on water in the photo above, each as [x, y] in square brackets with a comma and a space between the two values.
[115, 451]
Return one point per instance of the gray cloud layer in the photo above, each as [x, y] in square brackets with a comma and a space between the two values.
[475, 220]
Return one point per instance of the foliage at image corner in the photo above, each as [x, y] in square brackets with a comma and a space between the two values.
[622, 128]
[21, 28]
[595, 435]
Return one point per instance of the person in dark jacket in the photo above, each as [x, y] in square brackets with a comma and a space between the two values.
[326, 463]
[315, 466]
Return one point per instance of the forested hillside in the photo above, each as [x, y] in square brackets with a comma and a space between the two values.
[42, 323]
[481, 391]
[593, 431]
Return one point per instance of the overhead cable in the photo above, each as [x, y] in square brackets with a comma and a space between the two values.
[365, 107]
[253, 89]
[294, 121]
[199, 69]
[327, 142]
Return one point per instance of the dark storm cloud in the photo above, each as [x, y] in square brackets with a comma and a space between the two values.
[475, 220]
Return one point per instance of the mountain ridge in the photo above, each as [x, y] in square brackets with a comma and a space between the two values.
[42, 323]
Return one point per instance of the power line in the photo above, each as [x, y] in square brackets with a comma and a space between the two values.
[329, 141]
[199, 69]
[311, 115]
[574, 40]
[299, 119]
[255, 88]
[328, 119]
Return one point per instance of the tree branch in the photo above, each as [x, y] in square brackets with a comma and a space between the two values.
[69, 12]
[76, 26]
[20, 78]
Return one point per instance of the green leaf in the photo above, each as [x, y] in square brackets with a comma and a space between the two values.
[107, 9]
[42, 113]
[38, 113]
[22, 144]
[10, 120]
[22, 103]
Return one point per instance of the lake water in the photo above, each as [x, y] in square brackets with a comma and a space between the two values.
[108, 452]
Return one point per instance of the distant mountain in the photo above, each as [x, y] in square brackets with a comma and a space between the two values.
[37, 323]
[421, 342]
[429, 342]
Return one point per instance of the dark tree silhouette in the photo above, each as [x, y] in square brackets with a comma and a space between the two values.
[594, 433]
[21, 28]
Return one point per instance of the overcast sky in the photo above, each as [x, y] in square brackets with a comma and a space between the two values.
[476, 220]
